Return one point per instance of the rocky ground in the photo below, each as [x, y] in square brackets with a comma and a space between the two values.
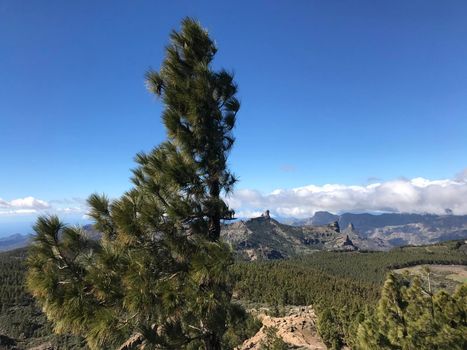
[297, 329]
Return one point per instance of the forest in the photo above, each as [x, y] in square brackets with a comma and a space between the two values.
[343, 287]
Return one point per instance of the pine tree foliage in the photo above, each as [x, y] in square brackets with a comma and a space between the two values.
[157, 277]
[410, 317]
[330, 328]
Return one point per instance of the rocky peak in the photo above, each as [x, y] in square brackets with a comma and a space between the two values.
[265, 218]
[334, 226]
[347, 241]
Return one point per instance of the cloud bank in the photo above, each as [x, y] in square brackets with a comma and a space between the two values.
[30, 206]
[418, 195]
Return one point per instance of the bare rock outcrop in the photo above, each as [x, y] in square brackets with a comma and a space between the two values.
[298, 329]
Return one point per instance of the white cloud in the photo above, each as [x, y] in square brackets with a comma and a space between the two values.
[30, 206]
[21, 206]
[418, 195]
[29, 203]
[18, 212]
[247, 214]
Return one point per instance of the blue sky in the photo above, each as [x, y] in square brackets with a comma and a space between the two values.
[332, 92]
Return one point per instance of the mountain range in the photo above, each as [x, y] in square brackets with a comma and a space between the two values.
[265, 237]
[397, 229]
[14, 241]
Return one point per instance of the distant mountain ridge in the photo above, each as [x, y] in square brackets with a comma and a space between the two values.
[267, 238]
[396, 229]
[14, 241]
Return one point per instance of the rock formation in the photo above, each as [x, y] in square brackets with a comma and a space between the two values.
[297, 329]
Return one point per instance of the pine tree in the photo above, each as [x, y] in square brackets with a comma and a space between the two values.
[157, 277]
[410, 317]
[330, 329]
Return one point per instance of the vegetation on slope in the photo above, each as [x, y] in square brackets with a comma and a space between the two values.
[343, 287]
[22, 324]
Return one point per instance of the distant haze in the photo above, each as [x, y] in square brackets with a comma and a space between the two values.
[9, 228]
[23, 224]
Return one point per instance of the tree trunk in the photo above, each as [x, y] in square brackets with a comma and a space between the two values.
[212, 342]
[214, 227]
[215, 218]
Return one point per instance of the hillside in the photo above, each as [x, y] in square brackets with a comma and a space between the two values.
[22, 324]
[266, 238]
[341, 287]
[14, 241]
